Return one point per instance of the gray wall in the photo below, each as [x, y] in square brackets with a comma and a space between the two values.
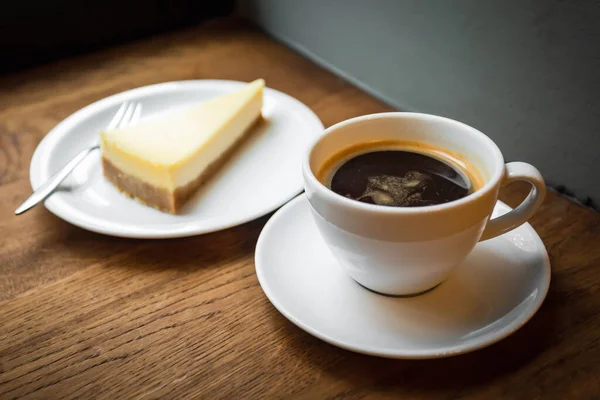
[527, 73]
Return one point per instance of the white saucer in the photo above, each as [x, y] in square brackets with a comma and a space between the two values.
[491, 295]
[262, 175]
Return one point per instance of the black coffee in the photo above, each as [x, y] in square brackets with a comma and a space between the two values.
[399, 179]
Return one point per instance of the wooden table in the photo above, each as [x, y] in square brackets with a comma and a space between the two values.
[85, 315]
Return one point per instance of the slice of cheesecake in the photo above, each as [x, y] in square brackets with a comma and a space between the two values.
[163, 161]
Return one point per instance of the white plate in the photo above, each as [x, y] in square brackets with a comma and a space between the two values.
[492, 294]
[261, 176]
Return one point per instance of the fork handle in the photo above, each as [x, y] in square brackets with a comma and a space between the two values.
[48, 187]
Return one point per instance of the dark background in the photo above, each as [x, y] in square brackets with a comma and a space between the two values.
[33, 32]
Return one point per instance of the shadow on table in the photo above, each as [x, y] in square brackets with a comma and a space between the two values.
[448, 375]
[191, 253]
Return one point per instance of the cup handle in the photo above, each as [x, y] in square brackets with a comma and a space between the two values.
[518, 171]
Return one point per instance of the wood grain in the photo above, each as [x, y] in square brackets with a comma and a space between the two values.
[89, 316]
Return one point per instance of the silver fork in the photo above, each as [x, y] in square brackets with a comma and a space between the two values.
[128, 114]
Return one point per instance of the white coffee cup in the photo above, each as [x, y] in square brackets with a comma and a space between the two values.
[409, 250]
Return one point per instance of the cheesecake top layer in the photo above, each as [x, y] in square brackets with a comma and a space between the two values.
[173, 149]
[180, 135]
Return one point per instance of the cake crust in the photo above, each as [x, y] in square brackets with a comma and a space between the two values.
[163, 199]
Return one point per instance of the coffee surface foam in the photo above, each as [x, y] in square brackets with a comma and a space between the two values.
[400, 174]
